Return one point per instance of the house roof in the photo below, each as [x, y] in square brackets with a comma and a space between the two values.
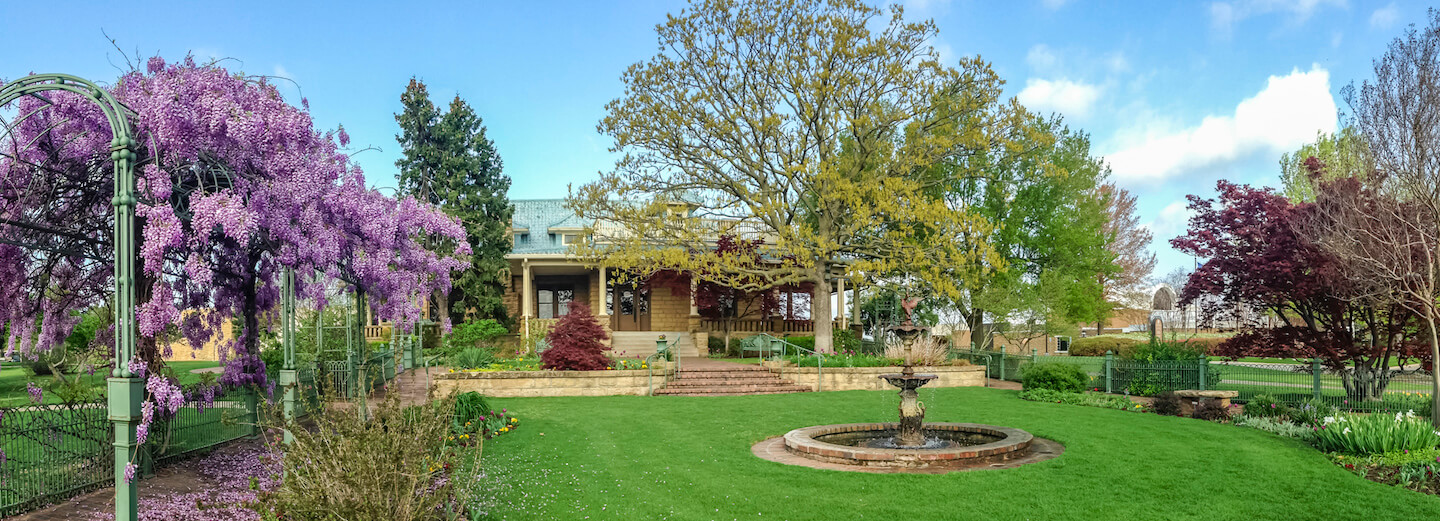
[538, 217]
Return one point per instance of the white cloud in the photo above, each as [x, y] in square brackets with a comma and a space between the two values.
[1171, 222]
[1041, 58]
[1284, 115]
[1067, 97]
[1224, 15]
[1385, 17]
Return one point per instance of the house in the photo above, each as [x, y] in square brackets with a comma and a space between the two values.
[545, 278]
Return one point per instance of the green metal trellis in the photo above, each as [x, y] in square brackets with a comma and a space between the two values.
[125, 390]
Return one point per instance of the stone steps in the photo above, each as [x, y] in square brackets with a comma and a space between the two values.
[728, 379]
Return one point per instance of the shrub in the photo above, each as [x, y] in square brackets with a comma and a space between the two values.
[716, 345]
[1211, 410]
[1098, 345]
[1275, 426]
[1166, 404]
[472, 358]
[1310, 412]
[845, 360]
[1375, 433]
[1106, 401]
[576, 342]
[472, 335]
[411, 463]
[843, 340]
[1056, 376]
[1265, 406]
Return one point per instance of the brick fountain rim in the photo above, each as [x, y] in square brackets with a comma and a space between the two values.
[799, 447]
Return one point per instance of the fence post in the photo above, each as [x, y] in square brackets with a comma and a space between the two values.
[1315, 370]
[1034, 355]
[1002, 362]
[252, 412]
[1109, 368]
[1204, 370]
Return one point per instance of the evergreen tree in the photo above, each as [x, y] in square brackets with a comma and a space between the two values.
[449, 162]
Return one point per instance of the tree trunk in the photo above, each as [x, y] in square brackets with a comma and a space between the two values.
[820, 313]
[1434, 373]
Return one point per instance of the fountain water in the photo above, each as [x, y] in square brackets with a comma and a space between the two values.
[910, 445]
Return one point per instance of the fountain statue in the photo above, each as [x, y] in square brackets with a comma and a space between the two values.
[912, 412]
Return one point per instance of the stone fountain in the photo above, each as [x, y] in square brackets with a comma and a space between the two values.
[910, 445]
[912, 412]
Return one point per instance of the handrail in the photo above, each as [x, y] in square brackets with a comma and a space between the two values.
[650, 364]
[819, 359]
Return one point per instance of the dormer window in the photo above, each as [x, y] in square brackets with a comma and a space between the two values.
[569, 238]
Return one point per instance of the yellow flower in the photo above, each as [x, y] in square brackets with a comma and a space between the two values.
[464, 436]
[504, 429]
[514, 420]
[452, 370]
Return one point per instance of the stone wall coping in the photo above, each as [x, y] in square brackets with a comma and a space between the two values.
[884, 370]
[503, 375]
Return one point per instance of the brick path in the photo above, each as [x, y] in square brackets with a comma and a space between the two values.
[177, 478]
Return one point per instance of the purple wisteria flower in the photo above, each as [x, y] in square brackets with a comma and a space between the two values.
[37, 394]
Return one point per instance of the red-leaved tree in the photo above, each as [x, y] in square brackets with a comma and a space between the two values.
[1259, 256]
[576, 342]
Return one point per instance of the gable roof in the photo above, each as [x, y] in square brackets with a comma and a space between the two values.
[537, 217]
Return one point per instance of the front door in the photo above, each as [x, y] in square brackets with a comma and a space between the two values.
[629, 308]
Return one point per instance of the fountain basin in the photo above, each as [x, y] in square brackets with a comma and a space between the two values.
[955, 445]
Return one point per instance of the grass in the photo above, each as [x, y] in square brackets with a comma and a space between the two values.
[689, 458]
[13, 379]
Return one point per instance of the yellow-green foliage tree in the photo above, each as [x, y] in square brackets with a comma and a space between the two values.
[810, 124]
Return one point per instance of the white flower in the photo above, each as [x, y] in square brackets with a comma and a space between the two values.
[1410, 413]
[1342, 419]
[1399, 417]
[1328, 420]
[1346, 431]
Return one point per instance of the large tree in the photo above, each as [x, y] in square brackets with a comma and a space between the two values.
[450, 163]
[808, 123]
[1040, 187]
[1128, 243]
[1342, 154]
[1260, 253]
[1398, 115]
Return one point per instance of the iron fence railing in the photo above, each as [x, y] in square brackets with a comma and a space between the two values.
[55, 451]
[52, 452]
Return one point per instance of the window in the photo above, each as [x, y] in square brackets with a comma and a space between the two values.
[521, 238]
[569, 238]
[553, 301]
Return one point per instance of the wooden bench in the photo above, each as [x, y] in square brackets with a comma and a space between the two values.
[1189, 398]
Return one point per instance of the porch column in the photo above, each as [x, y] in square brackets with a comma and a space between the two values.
[604, 296]
[694, 311]
[840, 306]
[855, 307]
[527, 296]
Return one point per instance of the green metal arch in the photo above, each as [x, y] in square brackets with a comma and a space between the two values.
[125, 390]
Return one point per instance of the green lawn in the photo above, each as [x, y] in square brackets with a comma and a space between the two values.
[689, 458]
[14, 378]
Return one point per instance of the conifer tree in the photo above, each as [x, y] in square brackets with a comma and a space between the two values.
[449, 162]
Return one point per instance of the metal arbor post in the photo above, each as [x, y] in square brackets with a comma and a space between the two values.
[289, 377]
[125, 389]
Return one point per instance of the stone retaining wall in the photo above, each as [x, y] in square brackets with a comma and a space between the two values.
[868, 378]
[508, 384]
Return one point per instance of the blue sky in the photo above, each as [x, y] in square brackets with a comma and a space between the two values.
[1175, 94]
